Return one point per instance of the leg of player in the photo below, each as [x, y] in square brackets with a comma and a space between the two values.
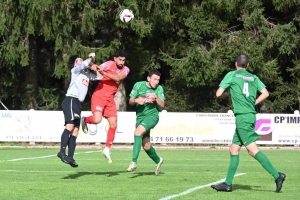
[110, 138]
[138, 134]
[152, 154]
[267, 165]
[72, 144]
[64, 142]
[93, 119]
[234, 163]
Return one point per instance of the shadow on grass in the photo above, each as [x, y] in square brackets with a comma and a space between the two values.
[139, 174]
[109, 174]
[79, 174]
[248, 187]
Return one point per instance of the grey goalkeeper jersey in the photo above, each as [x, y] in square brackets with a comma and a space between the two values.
[80, 81]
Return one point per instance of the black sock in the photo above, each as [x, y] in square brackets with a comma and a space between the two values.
[64, 140]
[71, 146]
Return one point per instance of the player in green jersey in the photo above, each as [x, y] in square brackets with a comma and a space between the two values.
[243, 90]
[148, 96]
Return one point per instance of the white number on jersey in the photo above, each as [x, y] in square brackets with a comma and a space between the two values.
[246, 89]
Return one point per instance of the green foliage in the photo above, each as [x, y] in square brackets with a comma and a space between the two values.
[193, 43]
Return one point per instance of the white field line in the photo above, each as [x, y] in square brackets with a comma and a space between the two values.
[44, 171]
[40, 157]
[196, 188]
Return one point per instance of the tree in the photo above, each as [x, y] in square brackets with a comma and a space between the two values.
[193, 43]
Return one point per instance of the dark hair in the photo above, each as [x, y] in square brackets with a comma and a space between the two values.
[242, 60]
[154, 71]
[120, 53]
[72, 60]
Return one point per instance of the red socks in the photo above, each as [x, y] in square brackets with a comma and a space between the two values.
[110, 136]
[89, 120]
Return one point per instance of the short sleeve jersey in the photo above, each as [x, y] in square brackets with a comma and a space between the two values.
[141, 89]
[107, 88]
[243, 90]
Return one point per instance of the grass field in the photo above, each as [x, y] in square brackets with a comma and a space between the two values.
[186, 174]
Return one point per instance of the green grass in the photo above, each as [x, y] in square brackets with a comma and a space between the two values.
[49, 178]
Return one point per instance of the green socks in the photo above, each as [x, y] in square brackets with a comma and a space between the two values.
[152, 154]
[234, 163]
[259, 156]
[265, 162]
[136, 148]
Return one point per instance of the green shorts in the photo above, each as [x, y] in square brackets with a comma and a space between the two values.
[244, 132]
[148, 123]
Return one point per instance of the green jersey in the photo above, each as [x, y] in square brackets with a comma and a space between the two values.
[243, 90]
[141, 89]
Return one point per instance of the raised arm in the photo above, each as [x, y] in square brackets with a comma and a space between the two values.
[82, 66]
[85, 64]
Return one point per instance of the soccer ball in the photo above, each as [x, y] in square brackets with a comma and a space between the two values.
[126, 15]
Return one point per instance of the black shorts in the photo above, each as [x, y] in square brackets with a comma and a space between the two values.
[72, 107]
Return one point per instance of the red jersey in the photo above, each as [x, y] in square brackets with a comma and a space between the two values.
[107, 88]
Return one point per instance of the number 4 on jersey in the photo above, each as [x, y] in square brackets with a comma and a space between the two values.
[246, 89]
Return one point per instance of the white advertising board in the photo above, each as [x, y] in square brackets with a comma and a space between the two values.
[173, 127]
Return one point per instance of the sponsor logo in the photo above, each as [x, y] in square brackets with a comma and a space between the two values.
[85, 82]
[247, 78]
[6, 115]
[98, 108]
[92, 129]
[264, 128]
[286, 120]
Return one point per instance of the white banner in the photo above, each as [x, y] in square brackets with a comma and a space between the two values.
[173, 127]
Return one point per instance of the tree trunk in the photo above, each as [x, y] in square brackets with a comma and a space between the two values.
[120, 98]
[29, 101]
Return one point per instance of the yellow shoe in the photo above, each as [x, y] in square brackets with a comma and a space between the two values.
[132, 167]
[158, 166]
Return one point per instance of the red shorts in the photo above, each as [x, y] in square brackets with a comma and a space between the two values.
[104, 105]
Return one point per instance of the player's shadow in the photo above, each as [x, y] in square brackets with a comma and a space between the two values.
[248, 187]
[79, 174]
[140, 174]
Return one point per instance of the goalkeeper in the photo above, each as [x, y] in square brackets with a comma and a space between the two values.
[71, 105]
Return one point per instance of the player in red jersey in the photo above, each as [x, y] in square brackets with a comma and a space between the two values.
[103, 103]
